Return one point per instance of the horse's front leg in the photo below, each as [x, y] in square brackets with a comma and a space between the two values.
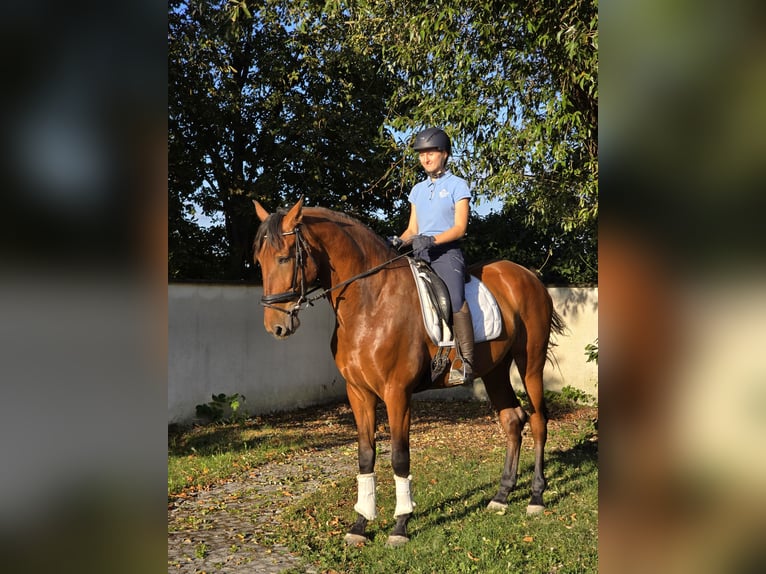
[398, 408]
[363, 405]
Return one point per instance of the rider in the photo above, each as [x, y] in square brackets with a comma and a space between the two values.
[438, 220]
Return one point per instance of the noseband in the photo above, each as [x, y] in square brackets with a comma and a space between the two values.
[297, 292]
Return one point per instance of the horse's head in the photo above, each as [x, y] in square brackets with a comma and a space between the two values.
[287, 265]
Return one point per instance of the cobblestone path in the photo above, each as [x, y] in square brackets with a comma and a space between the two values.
[226, 529]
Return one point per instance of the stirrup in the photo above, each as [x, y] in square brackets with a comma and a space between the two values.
[459, 376]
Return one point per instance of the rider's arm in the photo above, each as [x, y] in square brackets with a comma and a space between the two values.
[412, 226]
[457, 231]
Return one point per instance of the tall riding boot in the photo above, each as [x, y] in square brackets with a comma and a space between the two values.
[463, 327]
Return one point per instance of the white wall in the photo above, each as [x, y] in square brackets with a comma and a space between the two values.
[217, 344]
[579, 309]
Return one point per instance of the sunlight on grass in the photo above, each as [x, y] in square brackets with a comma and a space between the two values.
[451, 527]
[206, 455]
[457, 459]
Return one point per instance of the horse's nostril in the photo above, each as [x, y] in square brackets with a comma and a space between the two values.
[278, 330]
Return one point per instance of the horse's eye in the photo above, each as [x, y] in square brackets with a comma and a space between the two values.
[283, 259]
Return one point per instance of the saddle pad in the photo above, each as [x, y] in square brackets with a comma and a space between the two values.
[485, 314]
[487, 321]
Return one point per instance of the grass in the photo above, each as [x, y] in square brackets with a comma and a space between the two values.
[451, 531]
[201, 456]
[457, 456]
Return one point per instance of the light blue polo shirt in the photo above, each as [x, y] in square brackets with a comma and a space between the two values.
[435, 201]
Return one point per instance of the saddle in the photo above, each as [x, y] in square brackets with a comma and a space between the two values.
[436, 311]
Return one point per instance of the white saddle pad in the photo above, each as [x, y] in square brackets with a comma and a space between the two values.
[485, 314]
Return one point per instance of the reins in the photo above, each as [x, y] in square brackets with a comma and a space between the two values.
[301, 298]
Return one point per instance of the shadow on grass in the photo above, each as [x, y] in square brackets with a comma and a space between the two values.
[329, 426]
[571, 469]
[435, 515]
[320, 427]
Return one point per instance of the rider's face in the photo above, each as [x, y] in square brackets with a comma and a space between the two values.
[432, 159]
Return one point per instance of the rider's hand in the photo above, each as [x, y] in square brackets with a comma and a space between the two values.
[420, 246]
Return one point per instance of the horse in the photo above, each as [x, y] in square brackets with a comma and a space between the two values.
[382, 350]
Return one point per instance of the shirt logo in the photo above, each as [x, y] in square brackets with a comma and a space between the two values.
[443, 193]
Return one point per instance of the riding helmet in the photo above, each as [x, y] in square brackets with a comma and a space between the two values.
[433, 138]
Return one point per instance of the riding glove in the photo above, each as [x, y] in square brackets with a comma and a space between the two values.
[420, 246]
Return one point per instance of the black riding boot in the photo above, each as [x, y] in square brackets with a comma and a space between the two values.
[463, 328]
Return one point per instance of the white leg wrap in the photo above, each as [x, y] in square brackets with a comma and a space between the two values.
[365, 502]
[404, 503]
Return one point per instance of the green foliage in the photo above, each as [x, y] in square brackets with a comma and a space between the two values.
[558, 257]
[267, 103]
[591, 351]
[223, 408]
[278, 99]
[567, 399]
[577, 396]
[514, 84]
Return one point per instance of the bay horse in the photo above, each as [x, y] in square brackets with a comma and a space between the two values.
[381, 347]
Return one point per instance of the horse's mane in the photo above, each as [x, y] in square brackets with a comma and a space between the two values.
[271, 228]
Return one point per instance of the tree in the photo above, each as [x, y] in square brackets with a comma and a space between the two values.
[269, 105]
[513, 83]
[283, 98]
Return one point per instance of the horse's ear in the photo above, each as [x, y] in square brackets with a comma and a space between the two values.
[293, 217]
[260, 211]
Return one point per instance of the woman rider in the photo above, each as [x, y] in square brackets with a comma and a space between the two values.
[438, 220]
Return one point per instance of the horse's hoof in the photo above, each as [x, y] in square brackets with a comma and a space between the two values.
[355, 539]
[535, 509]
[496, 506]
[395, 540]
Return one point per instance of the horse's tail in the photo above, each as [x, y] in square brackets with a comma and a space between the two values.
[558, 327]
[557, 323]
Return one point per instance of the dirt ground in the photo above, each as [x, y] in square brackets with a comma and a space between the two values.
[217, 530]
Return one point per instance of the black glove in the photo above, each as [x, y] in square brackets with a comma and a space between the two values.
[394, 242]
[420, 246]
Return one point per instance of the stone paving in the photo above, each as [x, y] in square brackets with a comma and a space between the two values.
[228, 529]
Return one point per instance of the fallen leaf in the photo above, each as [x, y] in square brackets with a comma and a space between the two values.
[528, 539]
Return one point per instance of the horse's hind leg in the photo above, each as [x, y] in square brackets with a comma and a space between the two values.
[530, 361]
[512, 419]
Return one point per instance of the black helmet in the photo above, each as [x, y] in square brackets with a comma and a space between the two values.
[432, 138]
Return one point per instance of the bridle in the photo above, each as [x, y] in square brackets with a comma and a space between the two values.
[301, 296]
[294, 294]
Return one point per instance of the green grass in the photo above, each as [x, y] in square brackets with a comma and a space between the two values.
[201, 456]
[457, 458]
[451, 530]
